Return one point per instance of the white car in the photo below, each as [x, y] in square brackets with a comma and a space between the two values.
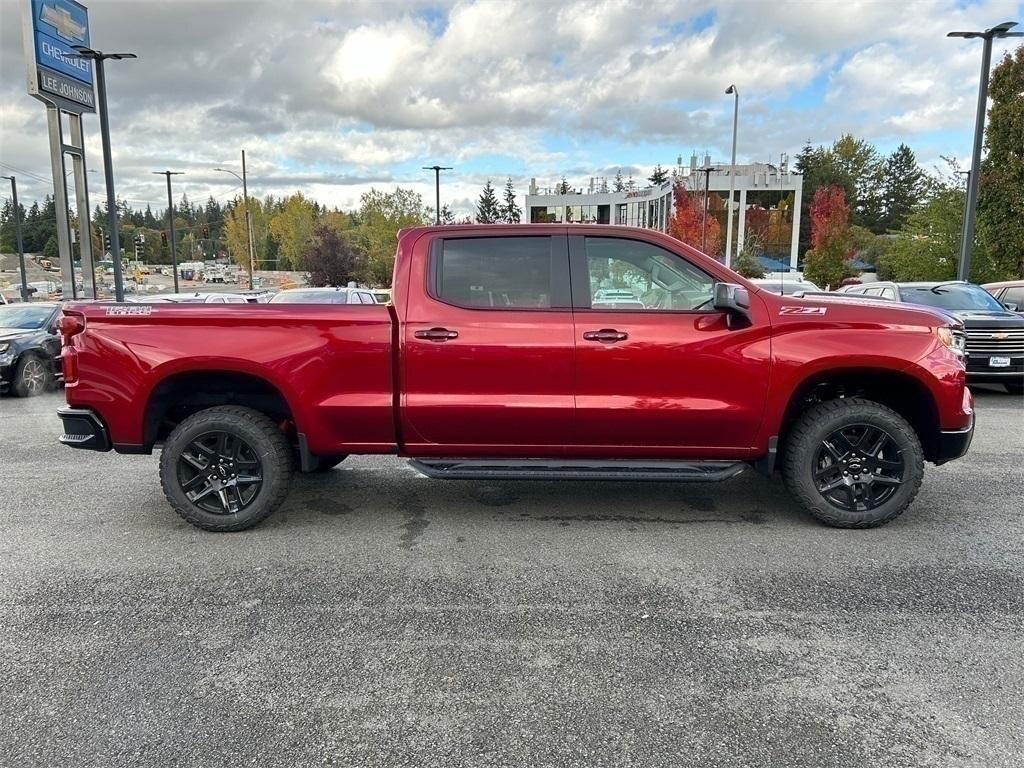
[190, 298]
[324, 296]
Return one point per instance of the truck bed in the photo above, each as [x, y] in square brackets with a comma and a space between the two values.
[332, 364]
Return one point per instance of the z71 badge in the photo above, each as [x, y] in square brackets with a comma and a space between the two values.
[803, 310]
[135, 309]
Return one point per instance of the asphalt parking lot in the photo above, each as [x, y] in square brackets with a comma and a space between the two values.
[384, 619]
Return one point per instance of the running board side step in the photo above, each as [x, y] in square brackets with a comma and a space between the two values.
[554, 469]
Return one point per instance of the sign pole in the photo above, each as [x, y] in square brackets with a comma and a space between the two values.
[108, 176]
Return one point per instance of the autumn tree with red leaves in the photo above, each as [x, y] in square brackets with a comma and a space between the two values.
[687, 222]
[825, 264]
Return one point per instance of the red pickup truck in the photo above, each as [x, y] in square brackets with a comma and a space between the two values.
[527, 351]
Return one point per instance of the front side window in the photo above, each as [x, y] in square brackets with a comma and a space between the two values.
[495, 272]
[630, 275]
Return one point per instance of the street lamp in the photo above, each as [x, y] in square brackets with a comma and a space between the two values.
[170, 220]
[437, 188]
[108, 166]
[967, 242]
[17, 236]
[248, 217]
[732, 174]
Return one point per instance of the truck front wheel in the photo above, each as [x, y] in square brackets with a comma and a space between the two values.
[226, 468]
[853, 463]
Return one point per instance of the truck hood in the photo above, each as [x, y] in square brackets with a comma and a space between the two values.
[988, 319]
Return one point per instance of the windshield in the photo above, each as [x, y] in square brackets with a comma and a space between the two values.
[951, 296]
[20, 316]
[309, 297]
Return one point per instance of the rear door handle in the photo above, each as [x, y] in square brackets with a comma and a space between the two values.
[437, 334]
[605, 335]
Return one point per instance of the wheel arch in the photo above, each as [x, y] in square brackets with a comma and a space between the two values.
[899, 390]
[181, 393]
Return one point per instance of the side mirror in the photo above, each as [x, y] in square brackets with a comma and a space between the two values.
[732, 298]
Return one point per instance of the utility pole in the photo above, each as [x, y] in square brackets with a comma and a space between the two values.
[707, 171]
[248, 217]
[732, 174]
[17, 237]
[108, 165]
[170, 222]
[437, 188]
[971, 204]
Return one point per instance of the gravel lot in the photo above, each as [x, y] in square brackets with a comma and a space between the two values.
[384, 619]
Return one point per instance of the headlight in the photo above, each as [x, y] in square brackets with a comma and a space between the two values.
[953, 339]
[4, 346]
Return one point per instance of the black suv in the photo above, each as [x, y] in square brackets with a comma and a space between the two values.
[29, 348]
[995, 335]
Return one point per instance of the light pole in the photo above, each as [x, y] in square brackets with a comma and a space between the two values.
[17, 237]
[248, 216]
[967, 241]
[108, 165]
[437, 188]
[707, 171]
[732, 174]
[170, 220]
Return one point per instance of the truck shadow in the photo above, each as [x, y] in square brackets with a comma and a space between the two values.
[357, 492]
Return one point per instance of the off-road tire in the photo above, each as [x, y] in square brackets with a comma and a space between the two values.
[267, 443]
[26, 382]
[820, 421]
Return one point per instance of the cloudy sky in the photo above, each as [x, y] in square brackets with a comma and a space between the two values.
[332, 98]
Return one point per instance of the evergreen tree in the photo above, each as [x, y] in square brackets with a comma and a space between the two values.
[331, 259]
[447, 217]
[903, 187]
[563, 188]
[488, 210]
[618, 185]
[510, 211]
[658, 177]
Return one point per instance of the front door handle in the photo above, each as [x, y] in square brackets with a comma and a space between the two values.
[437, 334]
[605, 335]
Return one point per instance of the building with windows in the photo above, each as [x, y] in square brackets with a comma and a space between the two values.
[650, 207]
[766, 205]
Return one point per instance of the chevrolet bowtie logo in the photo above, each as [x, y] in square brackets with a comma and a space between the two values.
[61, 20]
[1000, 336]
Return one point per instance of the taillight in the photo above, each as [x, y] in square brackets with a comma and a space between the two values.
[70, 325]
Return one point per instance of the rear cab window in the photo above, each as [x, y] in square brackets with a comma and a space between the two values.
[499, 272]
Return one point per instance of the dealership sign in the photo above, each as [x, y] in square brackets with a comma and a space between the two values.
[52, 29]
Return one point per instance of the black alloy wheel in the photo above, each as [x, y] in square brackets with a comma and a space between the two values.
[220, 473]
[858, 467]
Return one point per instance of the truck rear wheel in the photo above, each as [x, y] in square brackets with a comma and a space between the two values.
[853, 463]
[226, 468]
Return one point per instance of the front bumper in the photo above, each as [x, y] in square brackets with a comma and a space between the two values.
[954, 443]
[83, 429]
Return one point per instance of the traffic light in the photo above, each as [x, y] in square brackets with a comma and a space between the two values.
[163, 238]
[206, 232]
[106, 243]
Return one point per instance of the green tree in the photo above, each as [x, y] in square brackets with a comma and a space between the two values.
[292, 228]
[825, 264]
[1001, 192]
[904, 186]
[488, 210]
[618, 185]
[746, 262]
[50, 250]
[510, 210]
[381, 215]
[658, 177]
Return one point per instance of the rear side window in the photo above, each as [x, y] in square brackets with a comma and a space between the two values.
[1014, 296]
[495, 272]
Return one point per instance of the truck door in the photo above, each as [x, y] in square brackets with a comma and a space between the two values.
[487, 355]
[659, 372]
